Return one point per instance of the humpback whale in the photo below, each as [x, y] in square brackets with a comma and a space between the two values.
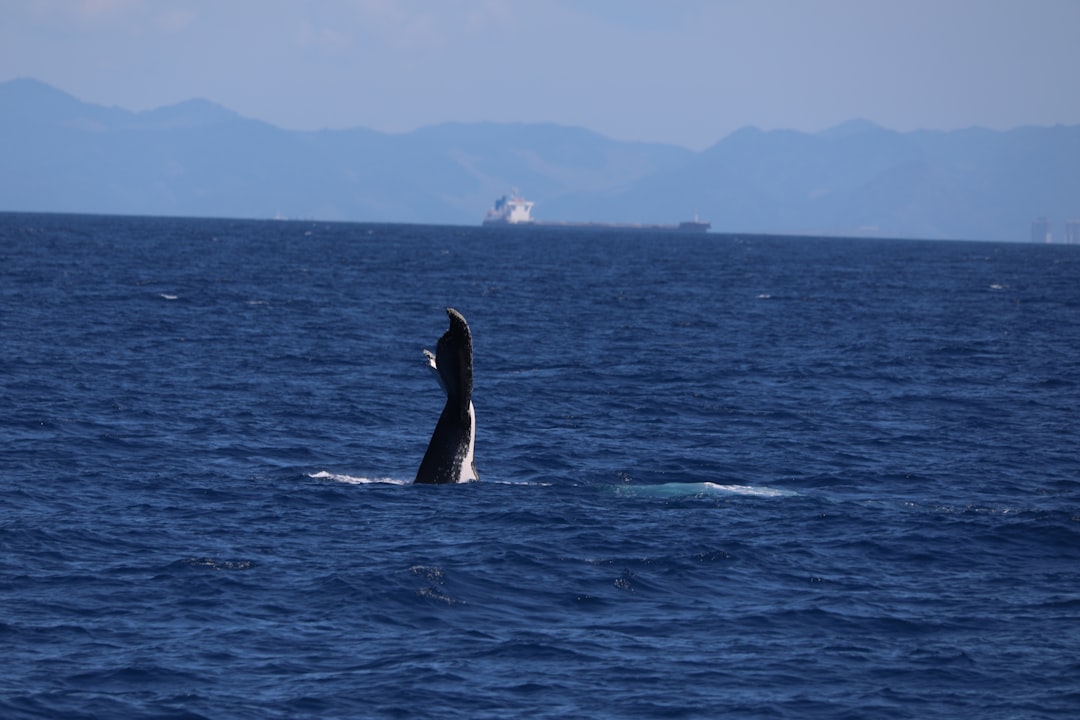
[449, 456]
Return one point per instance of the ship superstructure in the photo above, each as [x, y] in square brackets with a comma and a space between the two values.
[510, 210]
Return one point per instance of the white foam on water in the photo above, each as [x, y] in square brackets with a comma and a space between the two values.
[755, 490]
[704, 488]
[353, 480]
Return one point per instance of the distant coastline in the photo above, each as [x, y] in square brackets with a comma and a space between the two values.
[198, 159]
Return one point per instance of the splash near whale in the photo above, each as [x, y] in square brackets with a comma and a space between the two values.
[449, 456]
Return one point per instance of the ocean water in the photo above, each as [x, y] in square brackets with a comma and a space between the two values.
[721, 476]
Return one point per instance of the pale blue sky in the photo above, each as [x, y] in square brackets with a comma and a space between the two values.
[687, 72]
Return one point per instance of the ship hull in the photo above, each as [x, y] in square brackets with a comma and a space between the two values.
[503, 222]
[691, 227]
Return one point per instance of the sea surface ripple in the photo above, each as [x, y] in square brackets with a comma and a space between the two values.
[721, 476]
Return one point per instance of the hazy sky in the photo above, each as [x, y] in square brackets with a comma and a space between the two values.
[681, 71]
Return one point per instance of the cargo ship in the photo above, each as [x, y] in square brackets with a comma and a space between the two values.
[515, 210]
[510, 210]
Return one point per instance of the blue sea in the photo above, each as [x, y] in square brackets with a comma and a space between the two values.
[721, 476]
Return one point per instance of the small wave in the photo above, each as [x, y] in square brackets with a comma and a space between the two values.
[704, 488]
[219, 564]
[166, 296]
[758, 490]
[519, 483]
[353, 480]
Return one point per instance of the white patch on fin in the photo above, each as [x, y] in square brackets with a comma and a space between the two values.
[468, 472]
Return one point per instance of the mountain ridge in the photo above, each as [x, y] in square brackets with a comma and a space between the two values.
[200, 158]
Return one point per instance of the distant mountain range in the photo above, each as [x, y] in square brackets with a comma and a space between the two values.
[58, 154]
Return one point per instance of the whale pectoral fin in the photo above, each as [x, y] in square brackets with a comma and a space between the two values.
[450, 452]
[434, 368]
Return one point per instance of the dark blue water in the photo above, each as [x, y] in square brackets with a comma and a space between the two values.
[721, 476]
